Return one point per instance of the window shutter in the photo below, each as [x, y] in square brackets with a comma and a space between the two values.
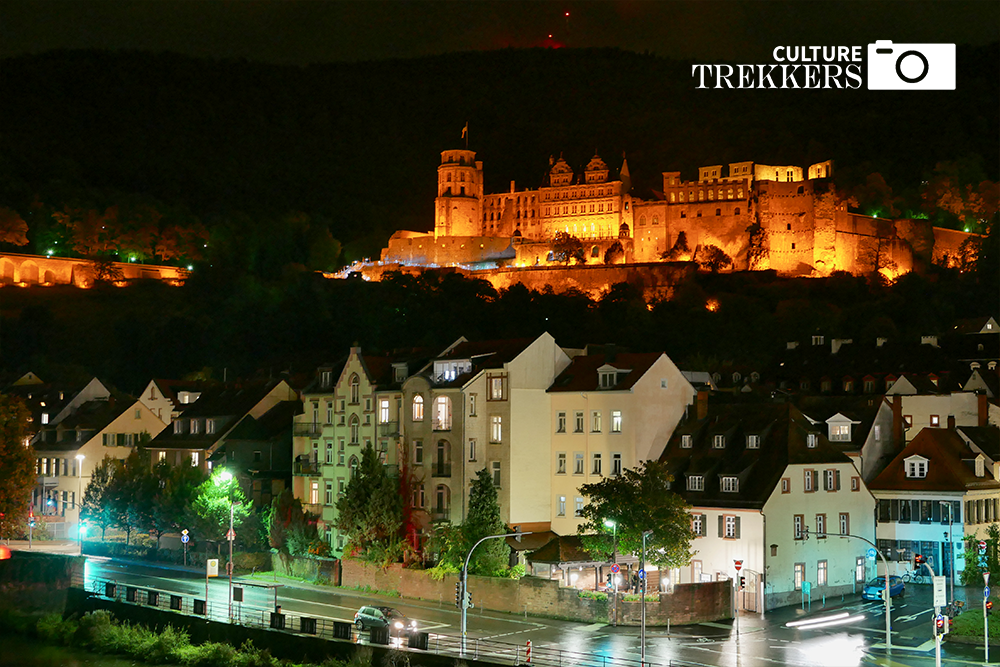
[815, 474]
[826, 481]
[914, 510]
[704, 525]
[722, 528]
[936, 512]
[838, 480]
[737, 528]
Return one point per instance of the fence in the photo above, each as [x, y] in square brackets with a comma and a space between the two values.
[272, 618]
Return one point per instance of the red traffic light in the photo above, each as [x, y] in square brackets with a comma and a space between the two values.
[989, 604]
[918, 559]
[940, 621]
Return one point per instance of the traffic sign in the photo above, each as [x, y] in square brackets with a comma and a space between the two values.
[986, 592]
[982, 547]
[642, 574]
[739, 564]
[940, 598]
[616, 568]
[231, 534]
[185, 538]
[872, 553]
[184, 532]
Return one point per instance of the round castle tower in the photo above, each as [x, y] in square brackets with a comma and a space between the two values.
[458, 205]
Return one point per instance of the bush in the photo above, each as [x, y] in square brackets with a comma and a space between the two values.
[593, 595]
[54, 628]
[516, 572]
[251, 656]
[635, 597]
[209, 654]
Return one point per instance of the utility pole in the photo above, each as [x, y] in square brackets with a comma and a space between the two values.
[614, 564]
[642, 591]
[466, 596]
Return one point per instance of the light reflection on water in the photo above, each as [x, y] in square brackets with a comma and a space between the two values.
[19, 651]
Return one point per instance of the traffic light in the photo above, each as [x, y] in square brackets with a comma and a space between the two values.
[743, 582]
[458, 594]
[918, 560]
[468, 600]
[941, 625]
[989, 606]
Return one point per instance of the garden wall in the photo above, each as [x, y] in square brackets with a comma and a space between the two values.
[319, 570]
[38, 582]
[689, 603]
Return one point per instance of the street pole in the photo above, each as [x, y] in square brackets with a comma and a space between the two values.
[79, 500]
[937, 612]
[986, 620]
[231, 536]
[614, 575]
[465, 580]
[642, 591]
[950, 537]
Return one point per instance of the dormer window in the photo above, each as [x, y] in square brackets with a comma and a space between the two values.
[696, 483]
[730, 484]
[325, 378]
[194, 427]
[686, 441]
[719, 442]
[608, 379]
[753, 442]
[916, 467]
[840, 432]
[45, 417]
[812, 440]
[980, 466]
[399, 372]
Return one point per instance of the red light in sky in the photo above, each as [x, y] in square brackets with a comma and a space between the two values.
[567, 13]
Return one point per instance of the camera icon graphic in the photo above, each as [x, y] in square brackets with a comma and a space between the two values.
[911, 66]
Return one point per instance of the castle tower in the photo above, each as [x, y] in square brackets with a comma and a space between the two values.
[458, 205]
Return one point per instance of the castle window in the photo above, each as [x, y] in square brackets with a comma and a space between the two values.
[642, 220]
[793, 246]
[701, 195]
[462, 177]
[711, 195]
[729, 194]
[739, 193]
[656, 220]
[448, 178]
[699, 214]
[595, 252]
[718, 211]
[801, 189]
[684, 214]
[788, 226]
[673, 197]
[463, 189]
[591, 208]
[736, 211]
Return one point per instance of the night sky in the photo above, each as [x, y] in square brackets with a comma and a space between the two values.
[294, 32]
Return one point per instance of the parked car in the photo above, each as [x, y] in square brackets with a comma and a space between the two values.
[873, 589]
[384, 617]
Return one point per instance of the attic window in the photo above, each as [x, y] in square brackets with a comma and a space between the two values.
[730, 484]
[696, 483]
[812, 440]
[325, 378]
[916, 468]
[719, 442]
[608, 379]
[840, 432]
[686, 441]
[753, 442]
[45, 417]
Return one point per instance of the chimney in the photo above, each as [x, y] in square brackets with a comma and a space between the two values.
[897, 422]
[951, 422]
[702, 404]
[610, 352]
[983, 409]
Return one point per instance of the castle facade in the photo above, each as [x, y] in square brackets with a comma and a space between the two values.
[761, 217]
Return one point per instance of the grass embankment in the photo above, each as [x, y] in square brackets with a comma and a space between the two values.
[100, 632]
[970, 623]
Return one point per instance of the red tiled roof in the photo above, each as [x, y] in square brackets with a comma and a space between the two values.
[947, 469]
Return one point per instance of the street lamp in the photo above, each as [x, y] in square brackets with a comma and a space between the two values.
[79, 500]
[614, 559]
[226, 477]
[642, 592]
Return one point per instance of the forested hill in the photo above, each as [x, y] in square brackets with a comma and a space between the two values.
[354, 147]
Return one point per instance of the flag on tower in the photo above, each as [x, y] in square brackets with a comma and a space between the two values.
[465, 130]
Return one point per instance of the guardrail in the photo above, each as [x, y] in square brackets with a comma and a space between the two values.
[269, 618]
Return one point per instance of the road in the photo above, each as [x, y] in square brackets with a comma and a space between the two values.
[760, 641]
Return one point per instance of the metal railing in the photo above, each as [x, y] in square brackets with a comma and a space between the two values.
[308, 429]
[305, 467]
[441, 470]
[269, 618]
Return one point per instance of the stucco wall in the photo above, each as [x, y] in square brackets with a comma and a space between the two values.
[690, 603]
[16, 268]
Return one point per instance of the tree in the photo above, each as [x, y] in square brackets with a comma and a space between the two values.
[639, 499]
[712, 258]
[565, 247]
[491, 558]
[757, 250]
[291, 529]
[97, 506]
[214, 499]
[173, 489]
[13, 228]
[680, 251]
[131, 492]
[371, 511]
[614, 253]
[17, 460]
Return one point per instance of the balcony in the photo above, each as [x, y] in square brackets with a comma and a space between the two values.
[308, 430]
[305, 467]
[441, 424]
[440, 514]
[388, 429]
[441, 470]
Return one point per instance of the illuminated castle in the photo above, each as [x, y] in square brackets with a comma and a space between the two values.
[784, 218]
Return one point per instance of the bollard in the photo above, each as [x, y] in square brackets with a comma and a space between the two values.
[527, 654]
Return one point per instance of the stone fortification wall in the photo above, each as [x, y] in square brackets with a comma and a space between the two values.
[946, 244]
[17, 269]
[689, 603]
[38, 582]
[426, 250]
[655, 279]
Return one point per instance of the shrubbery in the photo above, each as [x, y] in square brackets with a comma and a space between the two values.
[100, 632]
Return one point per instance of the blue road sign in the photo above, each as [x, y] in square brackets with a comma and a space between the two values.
[642, 574]
[986, 592]
[872, 553]
[185, 538]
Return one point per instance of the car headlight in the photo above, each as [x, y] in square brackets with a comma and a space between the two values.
[398, 624]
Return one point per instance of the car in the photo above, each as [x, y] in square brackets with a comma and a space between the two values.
[384, 617]
[873, 589]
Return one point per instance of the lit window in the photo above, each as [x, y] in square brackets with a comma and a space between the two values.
[314, 493]
[695, 483]
[383, 410]
[194, 459]
[496, 428]
[730, 484]
[616, 421]
[686, 441]
[840, 432]
[821, 573]
[935, 420]
[160, 456]
[496, 388]
[800, 575]
[418, 408]
[753, 442]
[442, 413]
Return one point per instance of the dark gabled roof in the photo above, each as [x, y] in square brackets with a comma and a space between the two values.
[563, 549]
[169, 388]
[861, 409]
[782, 431]
[95, 415]
[987, 438]
[228, 400]
[484, 355]
[947, 469]
[582, 373]
[972, 325]
[272, 424]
